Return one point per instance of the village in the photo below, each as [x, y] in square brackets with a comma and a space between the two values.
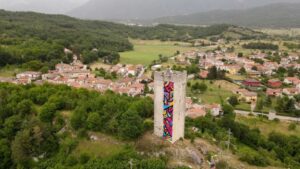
[256, 74]
[256, 70]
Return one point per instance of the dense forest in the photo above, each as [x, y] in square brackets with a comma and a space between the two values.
[32, 126]
[28, 36]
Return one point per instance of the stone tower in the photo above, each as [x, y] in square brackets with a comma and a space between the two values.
[169, 104]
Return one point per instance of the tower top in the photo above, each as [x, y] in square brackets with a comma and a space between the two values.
[169, 75]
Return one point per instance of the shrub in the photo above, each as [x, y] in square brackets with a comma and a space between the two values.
[292, 126]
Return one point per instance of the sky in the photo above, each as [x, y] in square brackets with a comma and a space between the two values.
[44, 6]
[128, 9]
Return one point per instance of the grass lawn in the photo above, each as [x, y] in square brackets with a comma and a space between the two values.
[104, 147]
[216, 92]
[236, 77]
[243, 106]
[9, 71]
[267, 126]
[145, 51]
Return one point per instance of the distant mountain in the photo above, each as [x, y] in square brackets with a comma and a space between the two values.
[149, 9]
[274, 15]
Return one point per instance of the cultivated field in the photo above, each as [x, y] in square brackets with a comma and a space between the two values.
[284, 32]
[145, 51]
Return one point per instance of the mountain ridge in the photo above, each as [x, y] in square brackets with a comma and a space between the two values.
[150, 9]
[274, 15]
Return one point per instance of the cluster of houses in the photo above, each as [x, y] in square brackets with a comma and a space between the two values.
[232, 64]
[127, 70]
[195, 110]
[23, 78]
[291, 87]
[78, 75]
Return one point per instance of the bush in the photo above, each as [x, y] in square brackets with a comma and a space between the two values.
[148, 124]
[84, 158]
[233, 101]
[222, 165]
[292, 126]
[71, 161]
[255, 159]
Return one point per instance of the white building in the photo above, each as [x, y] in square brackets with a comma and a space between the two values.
[29, 75]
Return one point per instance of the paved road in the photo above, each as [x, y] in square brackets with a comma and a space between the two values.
[285, 118]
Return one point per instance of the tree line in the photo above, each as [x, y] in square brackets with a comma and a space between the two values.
[261, 46]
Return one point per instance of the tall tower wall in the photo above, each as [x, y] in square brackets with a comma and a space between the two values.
[169, 104]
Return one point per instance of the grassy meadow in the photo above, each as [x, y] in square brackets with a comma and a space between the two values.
[217, 91]
[284, 32]
[101, 148]
[10, 71]
[145, 51]
[266, 126]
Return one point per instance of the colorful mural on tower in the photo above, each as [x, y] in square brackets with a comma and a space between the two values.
[168, 110]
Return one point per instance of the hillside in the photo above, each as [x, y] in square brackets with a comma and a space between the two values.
[137, 9]
[275, 15]
[28, 36]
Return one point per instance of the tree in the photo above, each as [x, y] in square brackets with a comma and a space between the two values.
[243, 71]
[131, 125]
[11, 126]
[25, 107]
[292, 126]
[233, 101]
[21, 147]
[199, 87]
[94, 122]
[228, 109]
[202, 87]
[78, 118]
[254, 68]
[146, 89]
[240, 54]
[212, 73]
[268, 101]
[259, 104]
[193, 69]
[5, 154]
[47, 112]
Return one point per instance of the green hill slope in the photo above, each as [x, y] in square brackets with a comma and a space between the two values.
[28, 36]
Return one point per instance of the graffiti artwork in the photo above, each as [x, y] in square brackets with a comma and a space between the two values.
[168, 110]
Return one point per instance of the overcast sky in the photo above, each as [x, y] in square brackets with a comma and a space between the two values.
[46, 6]
[103, 9]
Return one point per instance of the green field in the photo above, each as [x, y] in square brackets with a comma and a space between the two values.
[216, 91]
[145, 51]
[283, 32]
[9, 71]
[266, 126]
[105, 147]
